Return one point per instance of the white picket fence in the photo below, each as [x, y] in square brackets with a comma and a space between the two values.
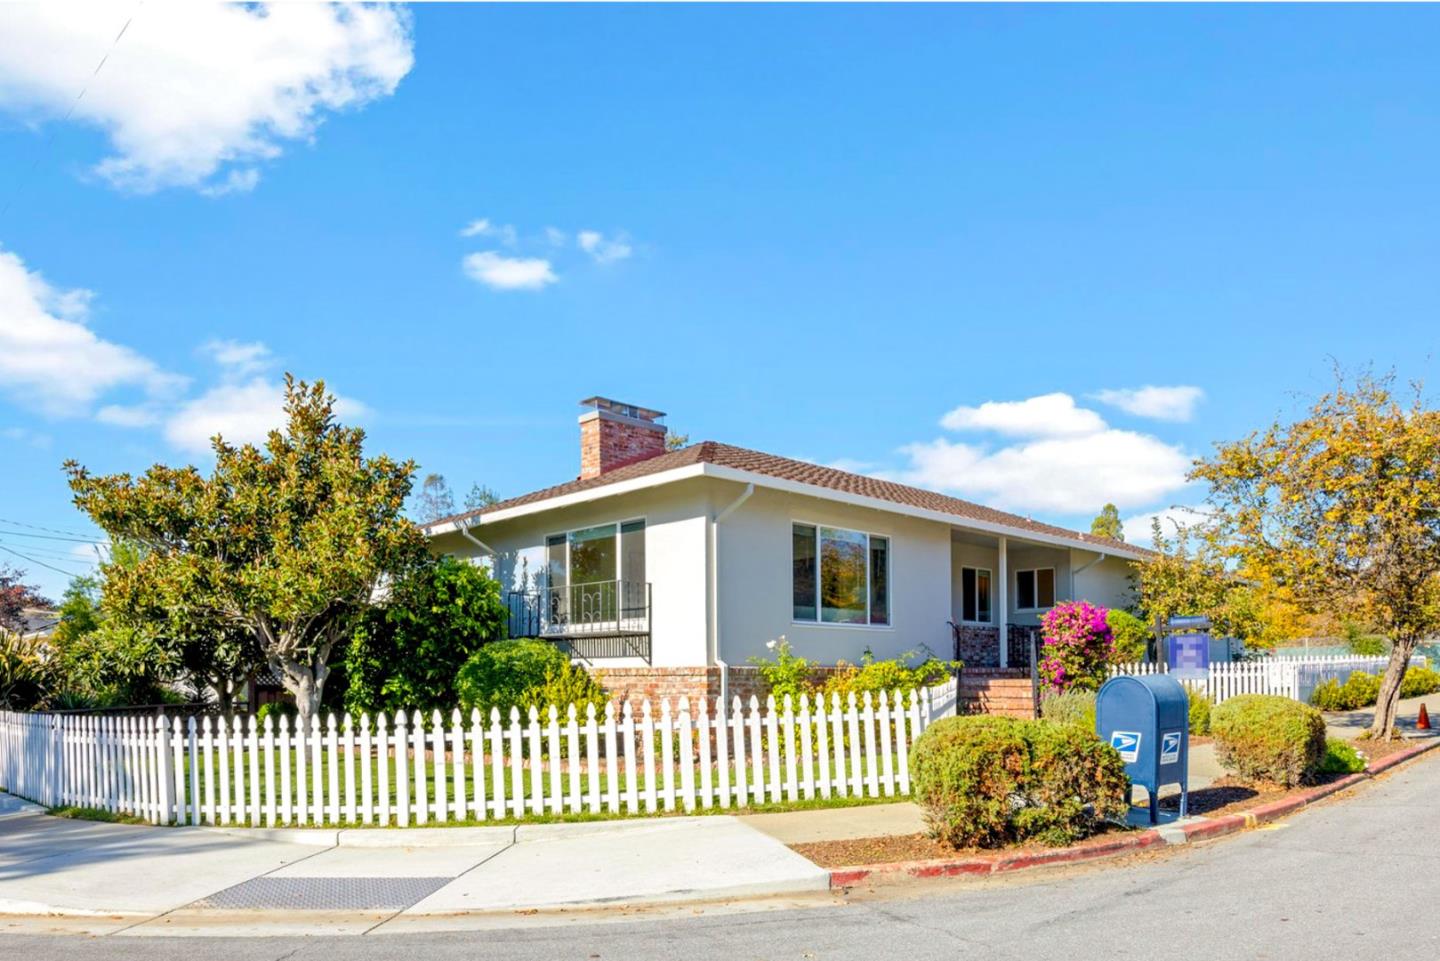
[409, 769]
[1282, 676]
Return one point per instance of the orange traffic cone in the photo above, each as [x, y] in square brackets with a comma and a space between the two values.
[1422, 723]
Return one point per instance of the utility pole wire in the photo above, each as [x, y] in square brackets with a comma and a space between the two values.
[24, 179]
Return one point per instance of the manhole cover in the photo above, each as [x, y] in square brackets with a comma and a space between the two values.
[325, 894]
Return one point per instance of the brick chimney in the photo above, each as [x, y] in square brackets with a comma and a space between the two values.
[613, 434]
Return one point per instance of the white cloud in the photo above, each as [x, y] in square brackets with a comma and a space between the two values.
[484, 228]
[1139, 528]
[499, 272]
[1049, 415]
[1067, 475]
[602, 249]
[198, 94]
[237, 358]
[50, 360]
[242, 413]
[556, 237]
[1175, 403]
[1066, 459]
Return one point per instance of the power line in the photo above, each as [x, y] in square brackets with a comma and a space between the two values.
[39, 527]
[61, 555]
[22, 180]
[32, 560]
[53, 537]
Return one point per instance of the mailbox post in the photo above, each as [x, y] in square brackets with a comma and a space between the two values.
[1147, 719]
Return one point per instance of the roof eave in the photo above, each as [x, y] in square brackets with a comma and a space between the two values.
[719, 472]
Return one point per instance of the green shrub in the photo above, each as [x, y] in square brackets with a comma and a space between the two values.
[1419, 681]
[896, 674]
[1072, 707]
[1266, 737]
[1359, 690]
[564, 686]
[986, 781]
[407, 653]
[1200, 708]
[1340, 758]
[1131, 637]
[788, 673]
[500, 674]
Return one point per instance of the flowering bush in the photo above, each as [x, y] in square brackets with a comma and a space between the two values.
[1078, 644]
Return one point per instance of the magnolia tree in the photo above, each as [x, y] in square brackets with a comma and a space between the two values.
[1342, 509]
[289, 542]
[1078, 646]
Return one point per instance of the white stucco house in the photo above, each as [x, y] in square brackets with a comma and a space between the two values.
[664, 571]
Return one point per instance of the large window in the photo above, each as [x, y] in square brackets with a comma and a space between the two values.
[975, 595]
[607, 552]
[840, 576]
[1035, 589]
[596, 574]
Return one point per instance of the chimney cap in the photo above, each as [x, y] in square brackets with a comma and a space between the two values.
[621, 408]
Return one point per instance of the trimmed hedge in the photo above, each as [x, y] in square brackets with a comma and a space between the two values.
[1265, 737]
[1362, 690]
[988, 781]
[524, 673]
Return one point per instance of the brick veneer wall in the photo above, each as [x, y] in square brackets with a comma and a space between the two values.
[979, 646]
[996, 691]
[638, 683]
[608, 442]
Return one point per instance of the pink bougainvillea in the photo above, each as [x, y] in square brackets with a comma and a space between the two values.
[1077, 646]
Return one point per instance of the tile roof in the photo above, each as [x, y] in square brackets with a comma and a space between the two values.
[801, 472]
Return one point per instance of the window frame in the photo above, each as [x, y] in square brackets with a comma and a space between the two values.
[1054, 589]
[989, 595]
[889, 538]
[619, 556]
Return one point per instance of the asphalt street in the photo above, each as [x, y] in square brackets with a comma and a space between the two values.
[1348, 878]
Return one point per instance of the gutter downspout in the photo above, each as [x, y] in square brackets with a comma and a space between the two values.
[464, 530]
[715, 589]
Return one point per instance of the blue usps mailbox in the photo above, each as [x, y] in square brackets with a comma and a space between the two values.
[1147, 719]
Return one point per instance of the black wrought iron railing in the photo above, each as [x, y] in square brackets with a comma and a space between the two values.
[602, 619]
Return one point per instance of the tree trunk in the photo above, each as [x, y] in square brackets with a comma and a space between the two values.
[304, 685]
[1387, 703]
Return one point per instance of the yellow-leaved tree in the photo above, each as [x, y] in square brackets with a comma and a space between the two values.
[1341, 509]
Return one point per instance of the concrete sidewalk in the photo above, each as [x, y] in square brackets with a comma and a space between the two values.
[1349, 725]
[140, 878]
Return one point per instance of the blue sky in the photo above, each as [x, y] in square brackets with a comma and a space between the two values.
[876, 237]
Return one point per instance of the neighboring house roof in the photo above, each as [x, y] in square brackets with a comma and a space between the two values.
[38, 621]
[823, 479]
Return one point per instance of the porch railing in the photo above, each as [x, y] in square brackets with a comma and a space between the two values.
[601, 619]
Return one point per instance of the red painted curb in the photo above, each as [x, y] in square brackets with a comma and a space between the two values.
[998, 863]
[1278, 809]
[1199, 831]
[1214, 827]
[1400, 757]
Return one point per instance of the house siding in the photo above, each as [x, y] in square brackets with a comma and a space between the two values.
[756, 591]
[675, 559]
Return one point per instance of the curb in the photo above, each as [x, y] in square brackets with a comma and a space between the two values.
[1204, 829]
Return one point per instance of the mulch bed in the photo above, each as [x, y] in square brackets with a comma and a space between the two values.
[912, 847]
[1375, 750]
[1227, 795]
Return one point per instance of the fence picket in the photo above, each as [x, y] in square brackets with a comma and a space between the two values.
[690, 755]
[627, 736]
[612, 765]
[687, 756]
